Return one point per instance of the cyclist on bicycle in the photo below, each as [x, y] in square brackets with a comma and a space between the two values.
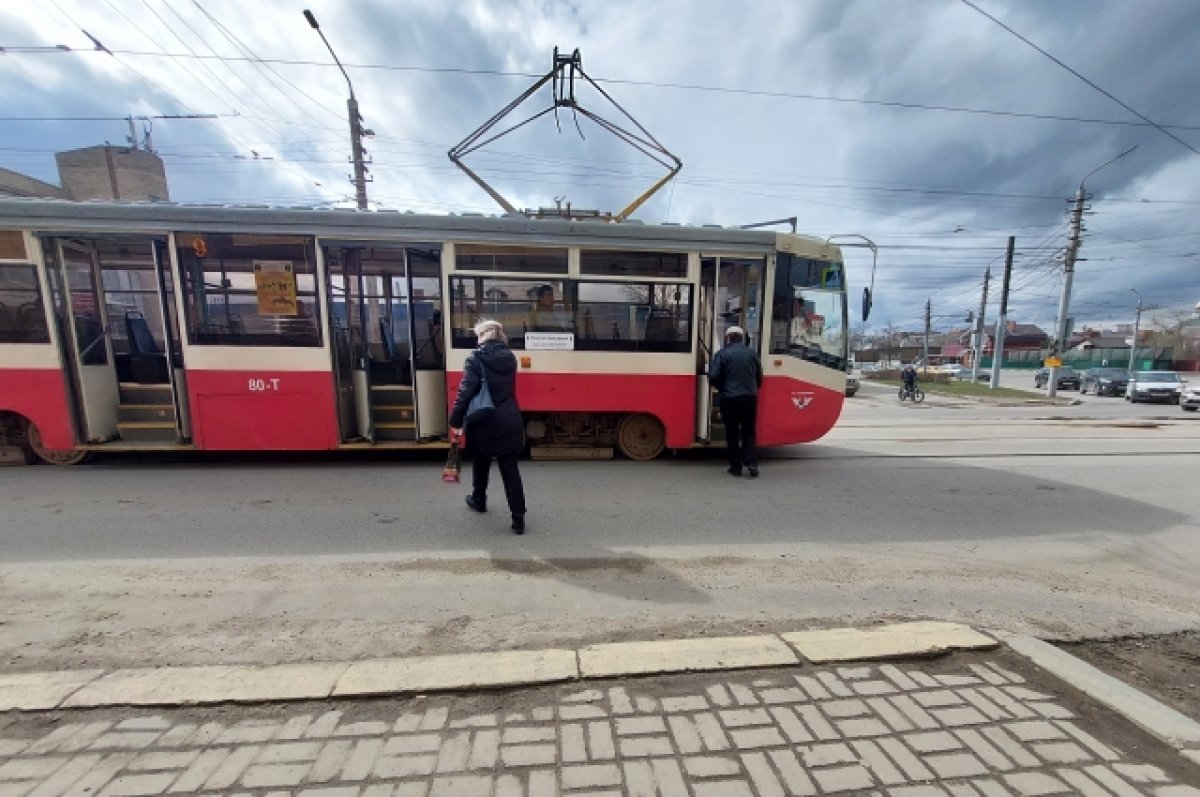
[909, 375]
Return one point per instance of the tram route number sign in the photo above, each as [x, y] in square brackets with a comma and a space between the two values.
[263, 385]
[275, 286]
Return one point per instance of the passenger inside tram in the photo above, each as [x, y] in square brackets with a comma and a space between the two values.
[544, 316]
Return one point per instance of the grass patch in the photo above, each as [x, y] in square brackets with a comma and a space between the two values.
[962, 389]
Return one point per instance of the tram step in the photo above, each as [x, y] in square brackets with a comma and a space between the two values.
[134, 393]
[395, 431]
[387, 413]
[146, 413]
[391, 394]
[563, 453]
[145, 431]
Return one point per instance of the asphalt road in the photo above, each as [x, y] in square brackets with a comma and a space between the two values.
[1065, 521]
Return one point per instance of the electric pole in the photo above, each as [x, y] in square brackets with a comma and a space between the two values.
[357, 131]
[1002, 320]
[1137, 323]
[1064, 303]
[928, 322]
[978, 352]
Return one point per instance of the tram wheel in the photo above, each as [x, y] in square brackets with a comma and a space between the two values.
[641, 437]
[51, 456]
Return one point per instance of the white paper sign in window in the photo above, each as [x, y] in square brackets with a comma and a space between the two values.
[550, 341]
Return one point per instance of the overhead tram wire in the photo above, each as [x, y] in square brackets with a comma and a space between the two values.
[1092, 84]
[178, 60]
[258, 61]
[99, 47]
[916, 106]
[214, 75]
[499, 72]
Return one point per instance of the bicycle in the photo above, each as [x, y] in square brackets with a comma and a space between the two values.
[914, 394]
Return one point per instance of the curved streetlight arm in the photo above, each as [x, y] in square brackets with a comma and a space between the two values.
[1106, 163]
[312, 21]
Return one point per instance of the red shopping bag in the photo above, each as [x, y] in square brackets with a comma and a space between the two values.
[453, 460]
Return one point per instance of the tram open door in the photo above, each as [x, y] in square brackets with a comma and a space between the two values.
[731, 294]
[119, 334]
[385, 308]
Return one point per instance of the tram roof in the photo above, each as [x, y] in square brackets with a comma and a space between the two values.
[58, 215]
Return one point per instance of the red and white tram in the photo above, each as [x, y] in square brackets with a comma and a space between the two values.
[159, 327]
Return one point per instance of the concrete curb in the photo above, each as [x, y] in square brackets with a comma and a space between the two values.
[191, 686]
[1160, 721]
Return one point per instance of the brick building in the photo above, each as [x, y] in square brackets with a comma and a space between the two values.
[101, 172]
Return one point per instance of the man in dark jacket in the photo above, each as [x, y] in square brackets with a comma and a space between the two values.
[737, 375]
[500, 435]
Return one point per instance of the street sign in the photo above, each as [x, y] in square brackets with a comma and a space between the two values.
[1053, 362]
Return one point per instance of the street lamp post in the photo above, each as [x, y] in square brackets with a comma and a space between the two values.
[1064, 302]
[356, 129]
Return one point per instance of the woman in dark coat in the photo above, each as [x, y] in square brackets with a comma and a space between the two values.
[501, 435]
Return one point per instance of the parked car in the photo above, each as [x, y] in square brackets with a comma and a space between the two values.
[851, 383]
[1068, 379]
[963, 374]
[1166, 386]
[1189, 399]
[1105, 381]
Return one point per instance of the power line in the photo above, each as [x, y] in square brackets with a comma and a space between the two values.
[1124, 105]
[916, 106]
[114, 118]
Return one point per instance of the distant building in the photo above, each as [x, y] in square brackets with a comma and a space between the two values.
[1017, 338]
[101, 172]
[1097, 339]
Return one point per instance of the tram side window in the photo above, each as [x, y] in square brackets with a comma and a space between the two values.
[131, 291]
[623, 316]
[427, 314]
[808, 311]
[521, 305]
[520, 259]
[250, 290]
[22, 315]
[617, 263]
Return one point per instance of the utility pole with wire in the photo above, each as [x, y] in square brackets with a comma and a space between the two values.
[1064, 304]
[1133, 342]
[1064, 301]
[978, 352]
[1002, 319]
[928, 324]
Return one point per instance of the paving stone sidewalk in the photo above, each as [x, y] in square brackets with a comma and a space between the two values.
[969, 727]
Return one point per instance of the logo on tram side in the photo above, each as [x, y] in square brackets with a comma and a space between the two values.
[801, 400]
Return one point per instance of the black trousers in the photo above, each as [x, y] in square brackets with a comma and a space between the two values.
[741, 418]
[514, 491]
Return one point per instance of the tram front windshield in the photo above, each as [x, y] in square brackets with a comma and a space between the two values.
[808, 318]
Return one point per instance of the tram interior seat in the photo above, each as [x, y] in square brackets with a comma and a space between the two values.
[147, 361]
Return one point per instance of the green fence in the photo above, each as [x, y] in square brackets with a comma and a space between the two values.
[1148, 360]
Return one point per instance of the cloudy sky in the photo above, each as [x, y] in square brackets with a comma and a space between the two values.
[921, 124]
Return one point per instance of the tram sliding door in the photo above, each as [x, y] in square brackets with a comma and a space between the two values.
[76, 277]
[386, 304]
[706, 310]
[731, 294]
